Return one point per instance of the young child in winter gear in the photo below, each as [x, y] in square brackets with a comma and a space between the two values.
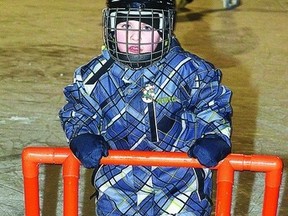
[144, 92]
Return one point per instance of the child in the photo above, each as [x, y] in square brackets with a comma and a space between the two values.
[144, 92]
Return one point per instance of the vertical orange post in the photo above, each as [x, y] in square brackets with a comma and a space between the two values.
[71, 168]
[31, 188]
[273, 167]
[33, 156]
[225, 181]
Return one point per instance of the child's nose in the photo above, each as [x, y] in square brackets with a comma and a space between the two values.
[135, 35]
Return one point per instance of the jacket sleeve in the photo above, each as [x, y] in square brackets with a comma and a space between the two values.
[209, 100]
[81, 114]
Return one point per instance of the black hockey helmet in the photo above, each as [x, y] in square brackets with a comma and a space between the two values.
[159, 14]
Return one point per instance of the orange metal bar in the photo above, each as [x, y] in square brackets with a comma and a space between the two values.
[33, 156]
[142, 158]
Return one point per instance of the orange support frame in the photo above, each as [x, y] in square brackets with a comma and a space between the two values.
[33, 156]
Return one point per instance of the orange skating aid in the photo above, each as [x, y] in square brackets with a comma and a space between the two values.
[32, 157]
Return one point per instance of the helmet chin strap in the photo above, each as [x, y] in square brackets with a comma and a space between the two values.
[140, 60]
[136, 61]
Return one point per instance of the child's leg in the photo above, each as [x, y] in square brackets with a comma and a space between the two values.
[183, 3]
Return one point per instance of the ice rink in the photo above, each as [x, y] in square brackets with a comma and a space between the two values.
[42, 42]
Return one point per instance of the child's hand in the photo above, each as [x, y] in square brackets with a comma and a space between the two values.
[209, 150]
[89, 149]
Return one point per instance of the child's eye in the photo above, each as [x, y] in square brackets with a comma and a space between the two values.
[125, 26]
[148, 28]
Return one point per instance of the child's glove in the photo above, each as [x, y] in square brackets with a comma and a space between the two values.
[89, 149]
[209, 150]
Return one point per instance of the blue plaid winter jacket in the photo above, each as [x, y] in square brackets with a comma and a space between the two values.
[164, 107]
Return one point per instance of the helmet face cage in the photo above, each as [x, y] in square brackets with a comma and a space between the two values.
[160, 20]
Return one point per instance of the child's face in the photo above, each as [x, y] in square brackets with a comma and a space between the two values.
[135, 37]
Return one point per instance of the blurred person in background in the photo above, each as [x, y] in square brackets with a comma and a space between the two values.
[228, 4]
